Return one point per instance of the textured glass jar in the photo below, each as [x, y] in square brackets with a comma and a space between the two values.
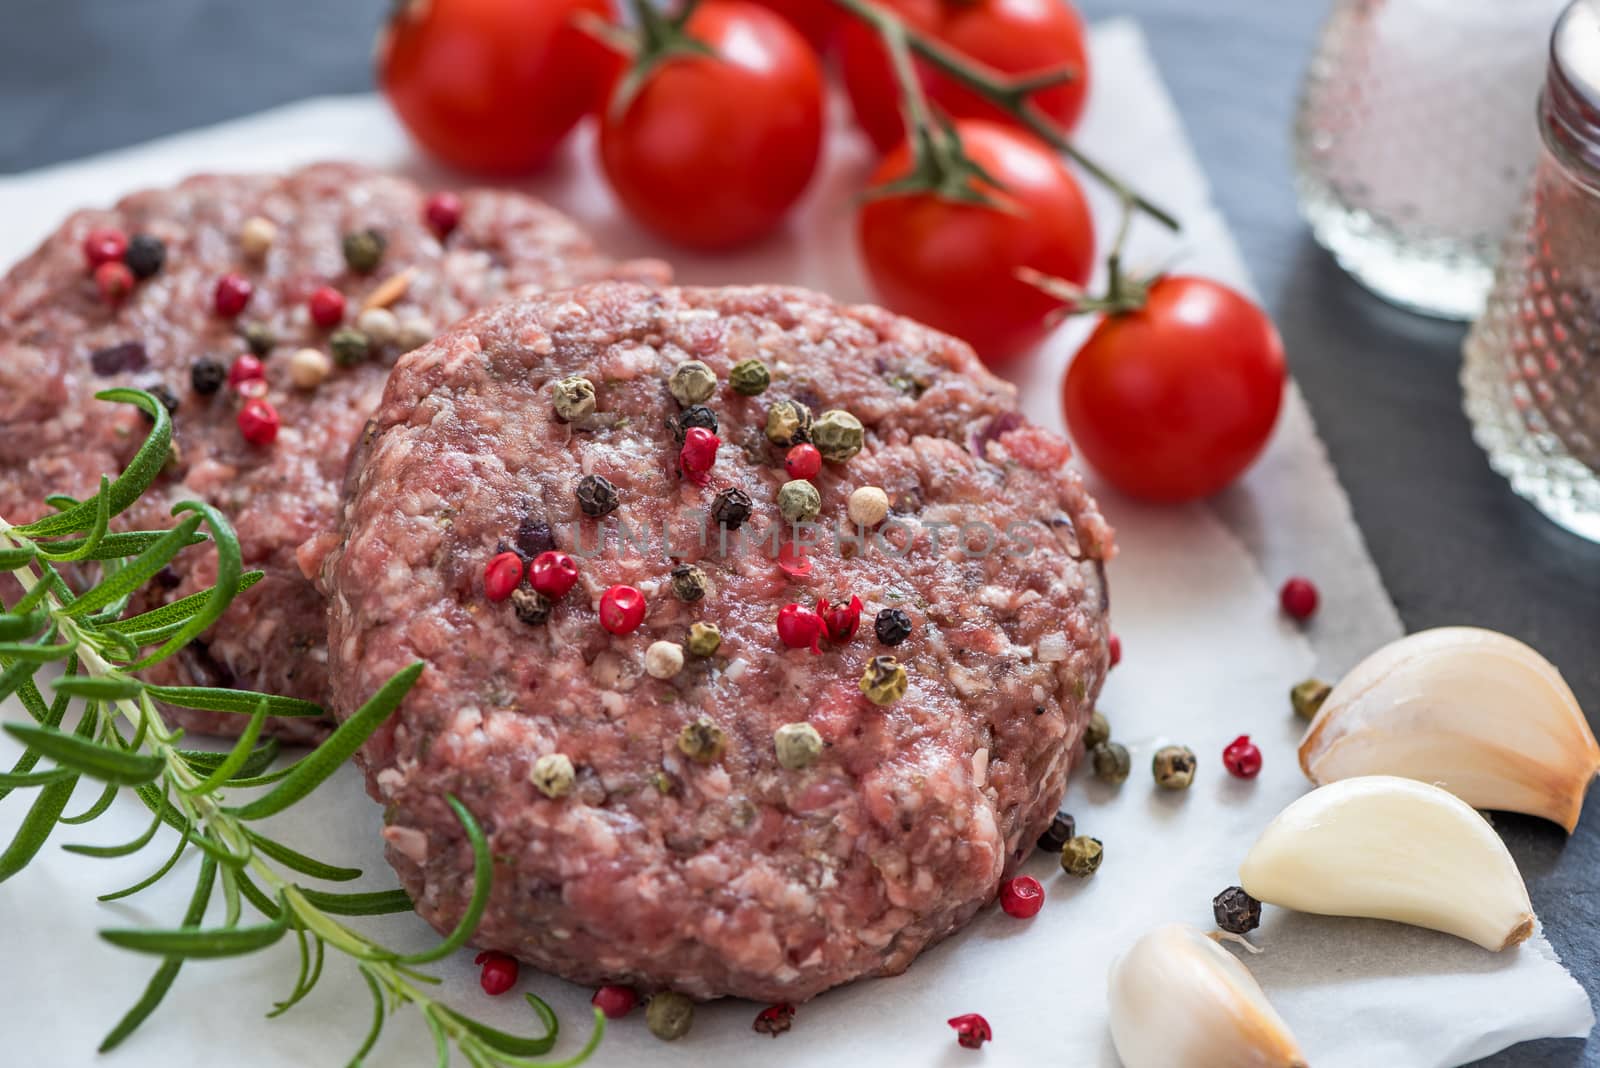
[1531, 373]
[1414, 141]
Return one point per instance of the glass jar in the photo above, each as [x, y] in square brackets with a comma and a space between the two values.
[1414, 141]
[1531, 373]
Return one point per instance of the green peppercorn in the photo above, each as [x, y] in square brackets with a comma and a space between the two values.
[553, 775]
[731, 507]
[363, 250]
[531, 606]
[1307, 697]
[797, 744]
[349, 347]
[1081, 856]
[692, 382]
[574, 398]
[798, 500]
[837, 435]
[1111, 762]
[704, 639]
[596, 496]
[669, 1015]
[788, 423]
[688, 583]
[1098, 732]
[259, 338]
[749, 378]
[702, 741]
[1173, 767]
[884, 681]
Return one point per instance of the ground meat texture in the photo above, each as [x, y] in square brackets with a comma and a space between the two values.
[736, 876]
[59, 344]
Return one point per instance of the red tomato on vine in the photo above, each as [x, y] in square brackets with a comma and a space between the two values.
[817, 20]
[1174, 399]
[1015, 37]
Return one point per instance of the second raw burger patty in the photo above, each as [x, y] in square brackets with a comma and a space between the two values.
[730, 873]
[60, 343]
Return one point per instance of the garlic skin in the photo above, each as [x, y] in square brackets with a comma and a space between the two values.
[1476, 712]
[1177, 998]
[1389, 848]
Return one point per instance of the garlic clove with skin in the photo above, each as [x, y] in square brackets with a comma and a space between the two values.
[1390, 848]
[1178, 998]
[1476, 712]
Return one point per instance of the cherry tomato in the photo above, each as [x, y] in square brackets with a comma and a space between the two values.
[714, 150]
[1173, 401]
[493, 86]
[953, 265]
[1007, 36]
[817, 20]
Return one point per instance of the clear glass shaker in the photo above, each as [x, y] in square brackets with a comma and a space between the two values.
[1531, 372]
[1414, 145]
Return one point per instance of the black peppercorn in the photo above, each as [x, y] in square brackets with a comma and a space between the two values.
[531, 606]
[1061, 830]
[259, 338]
[688, 582]
[730, 508]
[893, 626]
[363, 250]
[697, 416]
[206, 376]
[168, 399]
[534, 537]
[115, 359]
[596, 496]
[1236, 911]
[145, 255]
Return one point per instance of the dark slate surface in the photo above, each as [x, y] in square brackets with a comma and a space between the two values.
[1453, 544]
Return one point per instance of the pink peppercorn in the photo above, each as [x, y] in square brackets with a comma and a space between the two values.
[499, 972]
[442, 213]
[114, 281]
[1115, 645]
[1022, 897]
[621, 609]
[799, 628]
[803, 461]
[698, 455]
[1242, 757]
[231, 295]
[258, 421]
[327, 306]
[774, 1020]
[104, 245]
[840, 620]
[501, 576]
[972, 1030]
[793, 561]
[553, 574]
[244, 369]
[1298, 598]
[615, 1001]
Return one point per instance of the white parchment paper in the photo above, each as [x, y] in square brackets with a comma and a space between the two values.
[1206, 658]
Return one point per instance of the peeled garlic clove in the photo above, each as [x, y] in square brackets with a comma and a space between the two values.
[1178, 998]
[1392, 849]
[1476, 712]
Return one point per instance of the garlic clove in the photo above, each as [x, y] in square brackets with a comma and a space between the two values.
[1178, 998]
[1390, 848]
[1476, 712]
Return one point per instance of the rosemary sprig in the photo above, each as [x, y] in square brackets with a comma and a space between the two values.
[99, 651]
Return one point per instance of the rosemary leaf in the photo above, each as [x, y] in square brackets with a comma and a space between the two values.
[37, 654]
[161, 982]
[482, 883]
[201, 943]
[258, 898]
[378, 1016]
[100, 688]
[128, 486]
[90, 542]
[261, 758]
[236, 757]
[100, 761]
[12, 678]
[221, 594]
[299, 862]
[175, 613]
[14, 779]
[114, 546]
[295, 992]
[125, 849]
[36, 826]
[16, 627]
[140, 570]
[323, 761]
[94, 811]
[16, 558]
[373, 903]
[212, 699]
[156, 876]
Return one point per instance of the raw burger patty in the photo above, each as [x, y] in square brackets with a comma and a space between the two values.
[56, 438]
[736, 876]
